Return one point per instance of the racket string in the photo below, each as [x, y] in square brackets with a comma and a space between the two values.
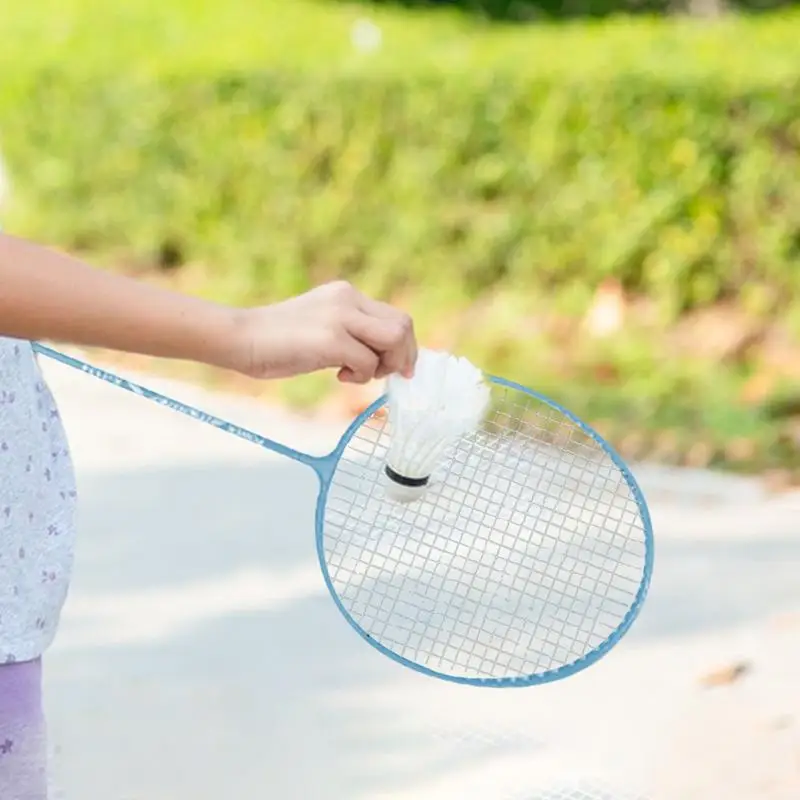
[575, 599]
[526, 553]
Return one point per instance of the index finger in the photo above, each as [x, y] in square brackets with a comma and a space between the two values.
[399, 354]
[383, 335]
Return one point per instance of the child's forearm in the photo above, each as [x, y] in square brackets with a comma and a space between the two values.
[47, 295]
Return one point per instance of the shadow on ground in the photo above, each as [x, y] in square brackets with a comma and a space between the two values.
[200, 656]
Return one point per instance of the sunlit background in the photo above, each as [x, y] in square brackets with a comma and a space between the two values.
[597, 198]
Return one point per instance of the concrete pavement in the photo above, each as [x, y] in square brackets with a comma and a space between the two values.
[201, 658]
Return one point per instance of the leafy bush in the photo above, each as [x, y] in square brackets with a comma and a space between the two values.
[528, 10]
[508, 178]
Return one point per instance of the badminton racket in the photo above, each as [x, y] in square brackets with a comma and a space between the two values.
[526, 561]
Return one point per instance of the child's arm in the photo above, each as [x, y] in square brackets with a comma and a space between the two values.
[47, 295]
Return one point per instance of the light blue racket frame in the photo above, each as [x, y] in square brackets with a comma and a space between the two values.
[325, 467]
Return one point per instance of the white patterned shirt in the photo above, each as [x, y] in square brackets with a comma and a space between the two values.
[37, 507]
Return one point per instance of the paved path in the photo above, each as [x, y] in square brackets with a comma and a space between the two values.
[201, 659]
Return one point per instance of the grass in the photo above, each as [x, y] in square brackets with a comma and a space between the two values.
[219, 35]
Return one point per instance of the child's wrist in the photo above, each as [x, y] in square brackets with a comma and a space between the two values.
[218, 339]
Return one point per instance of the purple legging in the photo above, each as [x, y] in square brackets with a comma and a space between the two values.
[23, 739]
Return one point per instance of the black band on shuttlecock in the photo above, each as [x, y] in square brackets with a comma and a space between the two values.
[403, 480]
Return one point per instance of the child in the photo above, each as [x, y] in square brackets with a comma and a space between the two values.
[46, 295]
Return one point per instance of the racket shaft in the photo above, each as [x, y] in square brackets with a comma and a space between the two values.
[175, 405]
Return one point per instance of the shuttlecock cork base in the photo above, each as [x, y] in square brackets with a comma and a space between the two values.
[403, 489]
[446, 399]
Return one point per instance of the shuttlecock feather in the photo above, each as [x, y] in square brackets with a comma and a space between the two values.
[446, 399]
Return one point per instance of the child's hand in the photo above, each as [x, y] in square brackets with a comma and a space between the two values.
[332, 326]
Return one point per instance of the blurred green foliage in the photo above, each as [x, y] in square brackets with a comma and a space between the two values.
[493, 181]
[538, 10]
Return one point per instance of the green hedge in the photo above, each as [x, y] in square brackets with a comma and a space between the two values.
[528, 10]
[516, 186]
[685, 192]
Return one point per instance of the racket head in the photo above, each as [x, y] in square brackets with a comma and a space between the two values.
[354, 518]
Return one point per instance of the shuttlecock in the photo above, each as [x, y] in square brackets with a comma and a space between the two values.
[445, 400]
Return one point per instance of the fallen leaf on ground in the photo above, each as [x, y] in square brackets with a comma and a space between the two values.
[778, 480]
[699, 455]
[741, 449]
[726, 675]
